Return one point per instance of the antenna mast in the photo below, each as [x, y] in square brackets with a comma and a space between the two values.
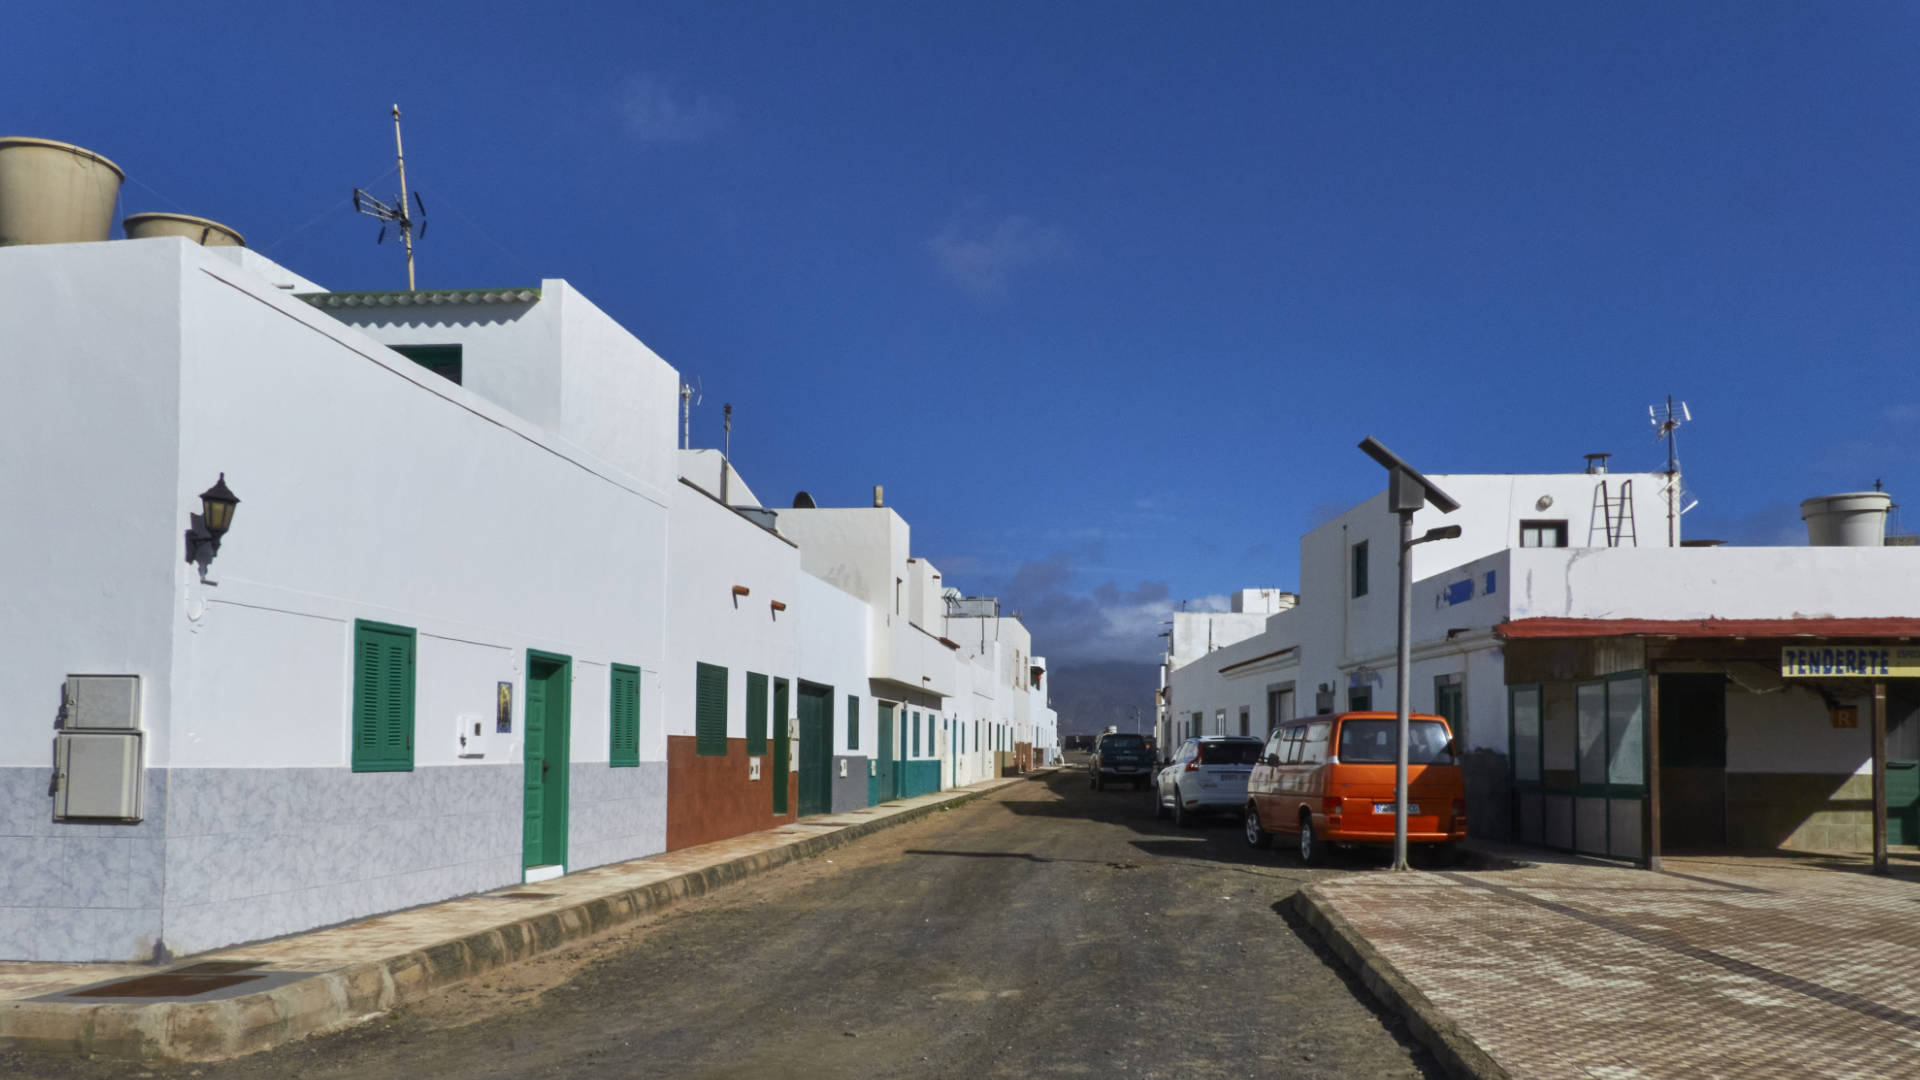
[689, 397]
[406, 226]
[1667, 429]
[397, 213]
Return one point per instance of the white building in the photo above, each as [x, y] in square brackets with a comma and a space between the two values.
[1554, 643]
[477, 621]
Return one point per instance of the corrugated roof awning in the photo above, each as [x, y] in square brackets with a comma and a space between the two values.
[420, 298]
[1523, 629]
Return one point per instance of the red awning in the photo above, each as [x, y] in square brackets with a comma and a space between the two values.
[1709, 628]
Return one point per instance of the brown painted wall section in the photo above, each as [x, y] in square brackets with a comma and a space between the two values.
[710, 798]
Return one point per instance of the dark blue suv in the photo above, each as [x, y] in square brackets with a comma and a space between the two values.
[1120, 756]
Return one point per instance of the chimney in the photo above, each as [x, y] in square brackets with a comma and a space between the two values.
[1597, 464]
[878, 501]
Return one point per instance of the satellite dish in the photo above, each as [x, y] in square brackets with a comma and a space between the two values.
[804, 501]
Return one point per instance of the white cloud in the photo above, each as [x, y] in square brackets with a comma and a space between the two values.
[653, 112]
[981, 259]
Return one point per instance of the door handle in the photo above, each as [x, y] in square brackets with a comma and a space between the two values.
[544, 766]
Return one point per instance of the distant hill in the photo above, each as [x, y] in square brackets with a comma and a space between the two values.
[1092, 694]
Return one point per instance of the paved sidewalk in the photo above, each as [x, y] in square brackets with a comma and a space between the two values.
[1764, 966]
[330, 978]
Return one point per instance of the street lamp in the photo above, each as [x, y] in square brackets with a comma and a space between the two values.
[1407, 492]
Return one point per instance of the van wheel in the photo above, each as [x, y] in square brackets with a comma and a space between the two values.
[1312, 851]
[1256, 836]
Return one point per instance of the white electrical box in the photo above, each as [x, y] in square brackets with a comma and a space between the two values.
[469, 734]
[753, 768]
[97, 776]
[103, 703]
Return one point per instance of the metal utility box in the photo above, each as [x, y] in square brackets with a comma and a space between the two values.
[98, 776]
[103, 703]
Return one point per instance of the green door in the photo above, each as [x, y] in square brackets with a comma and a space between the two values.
[1903, 762]
[782, 746]
[816, 749]
[544, 801]
[884, 757]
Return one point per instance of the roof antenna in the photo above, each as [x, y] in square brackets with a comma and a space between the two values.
[397, 213]
[689, 397]
[1665, 429]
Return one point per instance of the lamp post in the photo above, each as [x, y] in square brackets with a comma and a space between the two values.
[1407, 492]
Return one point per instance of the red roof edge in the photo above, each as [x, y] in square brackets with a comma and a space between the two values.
[1520, 629]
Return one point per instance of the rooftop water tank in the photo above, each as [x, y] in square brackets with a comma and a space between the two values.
[1852, 519]
[54, 192]
[197, 229]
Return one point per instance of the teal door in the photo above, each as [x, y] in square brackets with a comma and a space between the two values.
[544, 792]
[884, 758]
[1903, 762]
[816, 749]
[782, 746]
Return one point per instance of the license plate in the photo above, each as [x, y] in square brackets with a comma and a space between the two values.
[1123, 768]
[1387, 808]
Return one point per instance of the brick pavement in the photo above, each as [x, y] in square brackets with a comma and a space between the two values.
[1723, 966]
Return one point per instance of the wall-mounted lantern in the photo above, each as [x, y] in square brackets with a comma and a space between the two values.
[205, 529]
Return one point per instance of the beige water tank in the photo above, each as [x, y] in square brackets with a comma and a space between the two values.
[54, 192]
[197, 229]
[1851, 519]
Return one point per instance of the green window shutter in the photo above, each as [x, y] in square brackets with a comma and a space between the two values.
[710, 710]
[853, 722]
[623, 714]
[756, 713]
[382, 697]
[916, 734]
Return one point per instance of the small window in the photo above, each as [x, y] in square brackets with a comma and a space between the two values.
[710, 710]
[1360, 569]
[382, 697]
[1543, 534]
[442, 360]
[756, 714]
[1245, 721]
[1313, 749]
[623, 716]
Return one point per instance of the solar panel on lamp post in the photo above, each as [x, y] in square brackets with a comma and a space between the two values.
[1407, 492]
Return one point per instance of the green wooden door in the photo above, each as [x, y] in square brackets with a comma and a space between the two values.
[883, 758]
[782, 745]
[816, 750]
[544, 792]
[1903, 762]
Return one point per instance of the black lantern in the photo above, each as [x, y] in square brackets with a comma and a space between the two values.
[216, 508]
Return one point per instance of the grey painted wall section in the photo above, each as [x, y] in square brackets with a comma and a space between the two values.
[254, 853]
[77, 892]
[233, 855]
[849, 791]
[615, 814]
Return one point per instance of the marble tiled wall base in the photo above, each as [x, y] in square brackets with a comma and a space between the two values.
[255, 853]
[615, 814]
[77, 892]
[850, 791]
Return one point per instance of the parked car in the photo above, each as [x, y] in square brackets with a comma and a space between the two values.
[1120, 755]
[1330, 780]
[1208, 775]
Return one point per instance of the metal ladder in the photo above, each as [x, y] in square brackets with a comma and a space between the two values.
[1613, 517]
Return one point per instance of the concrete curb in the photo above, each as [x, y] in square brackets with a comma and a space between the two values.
[178, 1031]
[1457, 1053]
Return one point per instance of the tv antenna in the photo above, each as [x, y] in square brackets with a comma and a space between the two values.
[689, 397]
[1665, 428]
[395, 214]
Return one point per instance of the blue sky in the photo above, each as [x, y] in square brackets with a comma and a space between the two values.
[1105, 293]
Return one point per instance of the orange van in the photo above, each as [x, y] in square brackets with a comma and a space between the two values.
[1329, 780]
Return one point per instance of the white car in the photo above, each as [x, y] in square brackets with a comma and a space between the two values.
[1208, 775]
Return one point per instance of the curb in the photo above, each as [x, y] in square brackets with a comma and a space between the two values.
[1459, 1056]
[178, 1032]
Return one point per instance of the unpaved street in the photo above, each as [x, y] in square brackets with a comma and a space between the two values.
[1046, 930]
